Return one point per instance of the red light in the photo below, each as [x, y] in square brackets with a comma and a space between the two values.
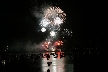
[58, 43]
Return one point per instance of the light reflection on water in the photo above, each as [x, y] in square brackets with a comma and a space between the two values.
[35, 62]
[58, 64]
[38, 63]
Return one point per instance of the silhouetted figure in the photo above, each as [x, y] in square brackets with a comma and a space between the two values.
[49, 63]
[56, 56]
[48, 56]
[48, 70]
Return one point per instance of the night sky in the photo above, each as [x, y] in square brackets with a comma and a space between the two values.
[85, 18]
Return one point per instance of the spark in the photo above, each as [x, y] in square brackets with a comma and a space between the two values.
[44, 22]
[66, 32]
[58, 21]
[43, 29]
[52, 33]
[58, 43]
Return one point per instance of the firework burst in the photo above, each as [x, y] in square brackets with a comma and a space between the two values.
[52, 18]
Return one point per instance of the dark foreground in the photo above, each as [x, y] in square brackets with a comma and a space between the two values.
[54, 62]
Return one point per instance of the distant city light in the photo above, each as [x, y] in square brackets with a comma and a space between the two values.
[3, 62]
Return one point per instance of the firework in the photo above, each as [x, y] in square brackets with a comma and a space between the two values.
[53, 12]
[66, 32]
[58, 43]
[52, 18]
[52, 45]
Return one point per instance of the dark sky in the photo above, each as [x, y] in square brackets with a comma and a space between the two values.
[85, 18]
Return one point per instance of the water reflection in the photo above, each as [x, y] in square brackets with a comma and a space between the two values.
[55, 62]
[37, 62]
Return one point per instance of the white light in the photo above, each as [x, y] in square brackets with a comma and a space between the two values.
[45, 22]
[52, 33]
[49, 42]
[58, 21]
[53, 49]
[43, 29]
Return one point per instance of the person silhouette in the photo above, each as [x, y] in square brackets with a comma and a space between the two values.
[48, 70]
[49, 63]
